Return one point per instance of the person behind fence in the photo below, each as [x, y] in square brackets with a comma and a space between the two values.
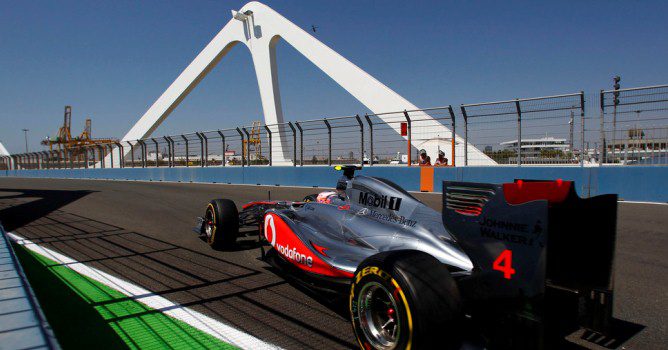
[424, 159]
[441, 160]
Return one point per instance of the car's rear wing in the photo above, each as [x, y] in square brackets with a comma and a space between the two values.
[527, 238]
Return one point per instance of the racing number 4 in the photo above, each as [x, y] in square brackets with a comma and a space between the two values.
[504, 263]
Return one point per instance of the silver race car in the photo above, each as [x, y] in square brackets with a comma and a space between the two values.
[517, 265]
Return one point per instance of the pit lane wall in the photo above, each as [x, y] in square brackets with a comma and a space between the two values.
[632, 183]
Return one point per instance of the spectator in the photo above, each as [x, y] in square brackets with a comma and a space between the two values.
[424, 159]
[441, 160]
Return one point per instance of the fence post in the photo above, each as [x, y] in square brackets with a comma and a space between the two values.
[602, 138]
[243, 161]
[185, 140]
[301, 144]
[466, 136]
[247, 145]
[201, 149]
[519, 132]
[368, 120]
[329, 141]
[132, 153]
[222, 138]
[204, 149]
[452, 124]
[269, 135]
[121, 155]
[408, 132]
[359, 121]
[294, 144]
[111, 155]
[582, 126]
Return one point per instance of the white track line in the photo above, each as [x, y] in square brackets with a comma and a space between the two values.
[202, 322]
[640, 202]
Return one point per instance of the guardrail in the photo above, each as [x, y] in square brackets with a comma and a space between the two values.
[565, 129]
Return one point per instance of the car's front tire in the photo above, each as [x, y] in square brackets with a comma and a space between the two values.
[404, 300]
[221, 223]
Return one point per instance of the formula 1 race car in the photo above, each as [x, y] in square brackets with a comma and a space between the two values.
[517, 265]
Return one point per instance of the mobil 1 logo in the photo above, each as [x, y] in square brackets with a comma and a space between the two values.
[379, 201]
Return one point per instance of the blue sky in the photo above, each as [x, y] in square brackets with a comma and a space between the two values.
[111, 60]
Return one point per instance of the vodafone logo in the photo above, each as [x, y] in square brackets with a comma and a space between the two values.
[283, 245]
[270, 229]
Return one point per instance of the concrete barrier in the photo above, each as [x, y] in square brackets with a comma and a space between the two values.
[634, 183]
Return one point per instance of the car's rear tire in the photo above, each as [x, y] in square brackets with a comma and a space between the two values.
[405, 299]
[310, 198]
[221, 223]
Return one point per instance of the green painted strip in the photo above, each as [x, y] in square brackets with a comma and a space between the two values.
[134, 324]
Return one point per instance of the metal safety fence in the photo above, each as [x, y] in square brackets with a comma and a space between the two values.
[616, 127]
[634, 126]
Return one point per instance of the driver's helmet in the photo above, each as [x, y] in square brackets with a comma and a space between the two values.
[441, 153]
[326, 197]
[423, 152]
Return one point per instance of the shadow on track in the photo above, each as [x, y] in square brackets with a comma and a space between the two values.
[22, 207]
[218, 285]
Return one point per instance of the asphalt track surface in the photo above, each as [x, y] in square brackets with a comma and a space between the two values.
[141, 232]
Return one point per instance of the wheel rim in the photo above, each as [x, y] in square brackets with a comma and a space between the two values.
[209, 223]
[378, 317]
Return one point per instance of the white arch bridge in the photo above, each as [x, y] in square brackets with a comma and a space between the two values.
[259, 28]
